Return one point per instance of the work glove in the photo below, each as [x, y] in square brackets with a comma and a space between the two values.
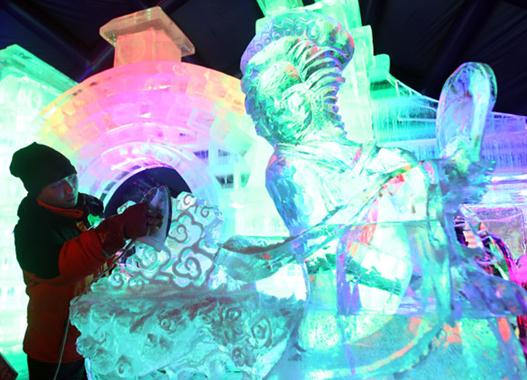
[136, 221]
[140, 220]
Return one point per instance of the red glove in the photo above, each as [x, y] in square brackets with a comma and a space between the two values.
[136, 221]
[111, 235]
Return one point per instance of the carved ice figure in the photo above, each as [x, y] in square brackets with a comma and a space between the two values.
[379, 300]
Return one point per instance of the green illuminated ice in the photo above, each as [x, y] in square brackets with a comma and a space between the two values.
[27, 84]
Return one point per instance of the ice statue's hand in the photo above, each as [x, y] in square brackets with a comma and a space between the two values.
[250, 258]
[519, 272]
[252, 244]
[460, 162]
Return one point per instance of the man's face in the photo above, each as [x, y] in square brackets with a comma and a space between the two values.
[63, 193]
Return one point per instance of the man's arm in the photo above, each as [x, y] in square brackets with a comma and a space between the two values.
[39, 251]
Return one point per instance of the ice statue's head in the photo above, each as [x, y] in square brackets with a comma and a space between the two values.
[292, 73]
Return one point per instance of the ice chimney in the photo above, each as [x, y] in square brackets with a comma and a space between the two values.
[147, 35]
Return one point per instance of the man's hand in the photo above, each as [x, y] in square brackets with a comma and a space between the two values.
[136, 221]
[140, 220]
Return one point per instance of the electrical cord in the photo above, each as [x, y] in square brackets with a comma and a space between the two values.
[62, 347]
[115, 259]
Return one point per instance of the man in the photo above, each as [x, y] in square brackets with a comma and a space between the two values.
[60, 255]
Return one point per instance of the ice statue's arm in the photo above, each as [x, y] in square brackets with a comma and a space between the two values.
[304, 197]
[254, 258]
[381, 174]
[296, 195]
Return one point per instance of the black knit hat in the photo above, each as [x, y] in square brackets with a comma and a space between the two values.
[39, 165]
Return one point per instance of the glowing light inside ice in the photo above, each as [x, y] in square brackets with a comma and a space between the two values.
[147, 113]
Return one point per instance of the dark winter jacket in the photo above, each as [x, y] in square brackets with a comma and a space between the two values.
[59, 257]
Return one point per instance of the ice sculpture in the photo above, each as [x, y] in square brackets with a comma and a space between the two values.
[388, 290]
[378, 303]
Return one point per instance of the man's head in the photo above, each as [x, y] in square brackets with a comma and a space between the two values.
[46, 174]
